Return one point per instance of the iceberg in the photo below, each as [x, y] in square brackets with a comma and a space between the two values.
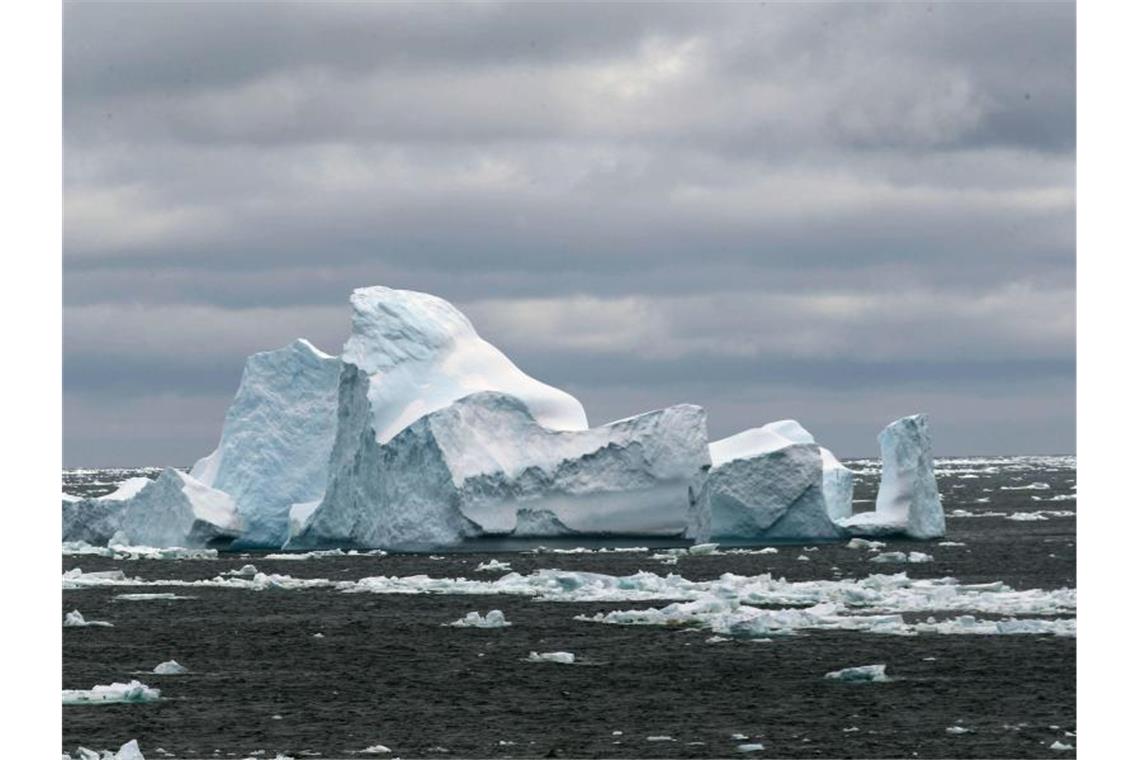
[278, 433]
[863, 673]
[562, 658]
[493, 619]
[116, 693]
[129, 751]
[422, 435]
[169, 668]
[769, 483]
[908, 503]
[478, 465]
[175, 509]
[75, 619]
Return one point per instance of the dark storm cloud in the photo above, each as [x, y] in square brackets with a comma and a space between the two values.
[731, 204]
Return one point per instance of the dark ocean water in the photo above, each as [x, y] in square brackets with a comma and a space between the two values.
[387, 671]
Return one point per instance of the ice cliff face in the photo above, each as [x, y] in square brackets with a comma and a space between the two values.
[173, 510]
[773, 482]
[837, 482]
[421, 354]
[908, 502]
[484, 465]
[276, 440]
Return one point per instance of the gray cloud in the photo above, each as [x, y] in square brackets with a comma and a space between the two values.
[740, 205]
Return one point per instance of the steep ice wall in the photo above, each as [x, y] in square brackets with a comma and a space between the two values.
[766, 485]
[485, 466]
[908, 502]
[173, 510]
[421, 354]
[277, 438]
[837, 482]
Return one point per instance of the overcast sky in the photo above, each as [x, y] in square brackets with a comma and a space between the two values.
[838, 213]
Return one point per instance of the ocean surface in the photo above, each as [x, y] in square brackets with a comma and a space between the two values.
[308, 659]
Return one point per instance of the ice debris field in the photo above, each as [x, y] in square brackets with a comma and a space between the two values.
[422, 435]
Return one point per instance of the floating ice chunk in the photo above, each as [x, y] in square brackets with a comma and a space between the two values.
[245, 571]
[911, 558]
[1030, 487]
[750, 747]
[562, 658]
[950, 543]
[150, 597]
[132, 692]
[861, 673]
[1026, 517]
[375, 749]
[768, 483]
[129, 751]
[908, 502]
[1059, 746]
[493, 565]
[494, 619]
[173, 510]
[660, 738]
[698, 550]
[836, 481]
[959, 730]
[75, 619]
[169, 668]
[862, 543]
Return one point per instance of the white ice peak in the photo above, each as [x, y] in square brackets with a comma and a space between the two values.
[421, 354]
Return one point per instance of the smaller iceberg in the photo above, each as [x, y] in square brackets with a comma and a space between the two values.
[908, 503]
[129, 751]
[493, 619]
[75, 619]
[863, 673]
[116, 693]
[562, 658]
[775, 482]
[174, 510]
[169, 668]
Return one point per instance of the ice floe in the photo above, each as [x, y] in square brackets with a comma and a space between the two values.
[169, 668]
[562, 658]
[902, 557]
[132, 692]
[493, 619]
[862, 673]
[493, 565]
[75, 619]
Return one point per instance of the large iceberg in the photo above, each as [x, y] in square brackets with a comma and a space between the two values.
[423, 435]
[276, 440]
[484, 465]
[908, 502]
